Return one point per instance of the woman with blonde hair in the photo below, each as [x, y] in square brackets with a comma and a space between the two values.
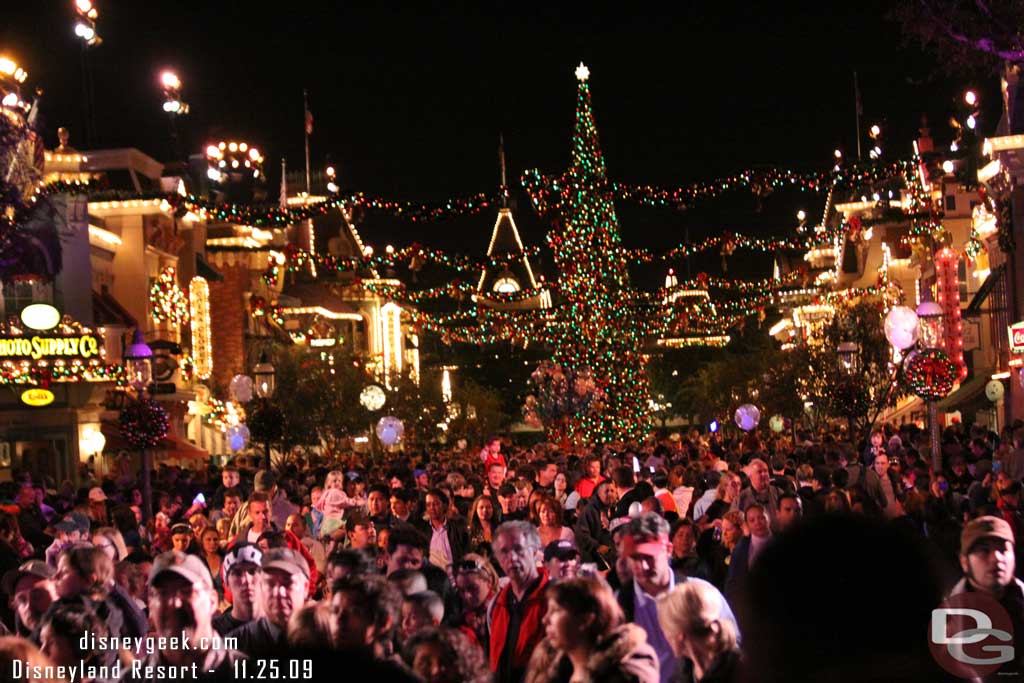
[111, 541]
[691, 617]
[587, 639]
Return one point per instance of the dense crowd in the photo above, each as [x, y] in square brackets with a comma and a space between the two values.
[693, 557]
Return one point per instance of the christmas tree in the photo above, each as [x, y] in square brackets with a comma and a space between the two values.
[599, 326]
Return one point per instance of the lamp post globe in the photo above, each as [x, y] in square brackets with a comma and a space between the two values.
[263, 373]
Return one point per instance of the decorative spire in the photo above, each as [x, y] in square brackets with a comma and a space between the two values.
[504, 170]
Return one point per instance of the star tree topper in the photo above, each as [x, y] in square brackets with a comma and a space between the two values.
[582, 72]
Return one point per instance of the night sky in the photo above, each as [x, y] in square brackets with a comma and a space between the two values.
[409, 99]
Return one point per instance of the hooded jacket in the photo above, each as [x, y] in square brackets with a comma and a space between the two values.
[623, 656]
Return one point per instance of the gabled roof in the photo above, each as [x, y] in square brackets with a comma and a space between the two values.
[505, 241]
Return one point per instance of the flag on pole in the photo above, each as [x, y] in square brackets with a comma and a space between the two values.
[284, 184]
[309, 114]
[856, 96]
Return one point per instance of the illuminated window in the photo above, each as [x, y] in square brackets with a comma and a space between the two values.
[506, 285]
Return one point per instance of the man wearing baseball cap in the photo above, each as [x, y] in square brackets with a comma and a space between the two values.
[988, 560]
[647, 547]
[562, 560]
[241, 568]
[72, 528]
[31, 591]
[182, 603]
[284, 582]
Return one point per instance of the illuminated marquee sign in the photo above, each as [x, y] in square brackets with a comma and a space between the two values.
[37, 348]
[46, 347]
[1016, 331]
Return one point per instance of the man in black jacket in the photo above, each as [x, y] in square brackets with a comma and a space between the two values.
[592, 535]
[449, 538]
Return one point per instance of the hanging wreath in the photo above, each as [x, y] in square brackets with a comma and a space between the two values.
[930, 374]
[143, 424]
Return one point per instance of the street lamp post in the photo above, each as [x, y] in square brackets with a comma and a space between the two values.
[849, 364]
[263, 373]
[138, 362]
[173, 105]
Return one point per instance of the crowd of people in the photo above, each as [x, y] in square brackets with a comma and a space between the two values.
[693, 557]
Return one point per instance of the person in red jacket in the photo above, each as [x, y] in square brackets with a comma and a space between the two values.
[517, 619]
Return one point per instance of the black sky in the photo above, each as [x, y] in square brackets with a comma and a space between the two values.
[409, 98]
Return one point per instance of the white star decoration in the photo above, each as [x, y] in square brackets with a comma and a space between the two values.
[582, 72]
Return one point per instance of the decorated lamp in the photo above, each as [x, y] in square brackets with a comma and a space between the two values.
[931, 329]
[264, 375]
[138, 361]
[849, 357]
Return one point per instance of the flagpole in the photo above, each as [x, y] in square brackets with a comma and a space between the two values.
[305, 127]
[856, 113]
[283, 199]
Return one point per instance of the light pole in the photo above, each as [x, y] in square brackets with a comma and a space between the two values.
[86, 16]
[849, 365]
[173, 105]
[138, 363]
[263, 373]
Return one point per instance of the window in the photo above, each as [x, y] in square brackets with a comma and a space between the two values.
[18, 295]
[506, 285]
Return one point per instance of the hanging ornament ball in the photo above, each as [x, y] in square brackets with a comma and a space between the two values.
[747, 417]
[901, 327]
[636, 509]
[390, 430]
[144, 424]
[777, 423]
[372, 397]
[994, 390]
[241, 388]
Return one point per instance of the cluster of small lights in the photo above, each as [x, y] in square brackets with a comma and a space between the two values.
[167, 301]
[947, 290]
[202, 334]
[232, 157]
[85, 22]
[171, 85]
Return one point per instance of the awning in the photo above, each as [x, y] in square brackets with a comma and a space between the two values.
[167, 448]
[204, 269]
[106, 310]
[968, 392]
[974, 308]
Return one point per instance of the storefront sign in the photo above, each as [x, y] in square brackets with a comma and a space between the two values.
[36, 348]
[1016, 331]
[37, 397]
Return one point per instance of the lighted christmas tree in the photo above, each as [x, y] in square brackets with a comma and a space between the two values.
[599, 326]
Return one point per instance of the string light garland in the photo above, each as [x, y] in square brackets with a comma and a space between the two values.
[167, 301]
[930, 374]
